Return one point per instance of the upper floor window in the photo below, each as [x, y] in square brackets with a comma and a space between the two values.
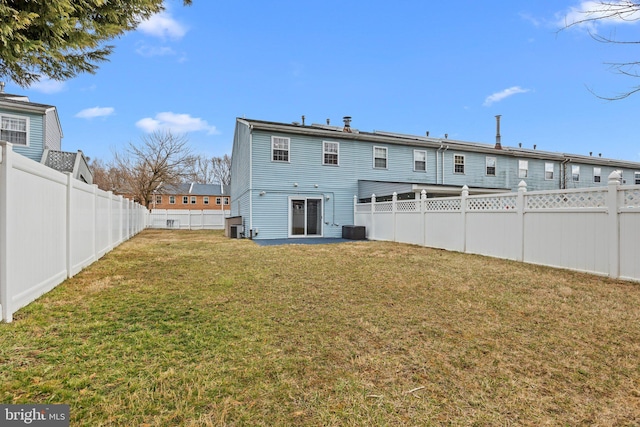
[226, 200]
[548, 171]
[458, 163]
[637, 178]
[193, 200]
[185, 200]
[14, 130]
[575, 173]
[419, 160]
[523, 168]
[380, 157]
[218, 200]
[205, 200]
[597, 174]
[279, 149]
[172, 200]
[491, 166]
[330, 151]
[158, 200]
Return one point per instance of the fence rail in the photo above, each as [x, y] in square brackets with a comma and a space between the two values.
[52, 226]
[592, 230]
[187, 219]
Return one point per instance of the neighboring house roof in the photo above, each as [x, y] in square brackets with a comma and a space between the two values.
[383, 137]
[196, 189]
[65, 161]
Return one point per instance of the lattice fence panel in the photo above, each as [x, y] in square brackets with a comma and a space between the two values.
[384, 207]
[444, 205]
[407, 206]
[587, 199]
[491, 203]
[631, 198]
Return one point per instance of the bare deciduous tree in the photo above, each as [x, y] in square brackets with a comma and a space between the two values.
[617, 11]
[160, 159]
[208, 170]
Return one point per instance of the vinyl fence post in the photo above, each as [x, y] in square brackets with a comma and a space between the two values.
[394, 201]
[613, 224]
[423, 213]
[373, 218]
[6, 216]
[463, 213]
[69, 223]
[522, 188]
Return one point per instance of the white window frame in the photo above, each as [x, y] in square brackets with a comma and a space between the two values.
[464, 161]
[193, 200]
[27, 126]
[546, 171]
[286, 150]
[523, 168]
[386, 157]
[486, 165]
[185, 200]
[172, 200]
[326, 152]
[218, 200]
[575, 173]
[205, 200]
[597, 175]
[158, 199]
[416, 160]
[636, 178]
[226, 200]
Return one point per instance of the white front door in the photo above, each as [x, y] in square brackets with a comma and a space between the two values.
[305, 217]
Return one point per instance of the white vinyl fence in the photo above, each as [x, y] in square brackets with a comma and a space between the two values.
[187, 219]
[52, 226]
[595, 230]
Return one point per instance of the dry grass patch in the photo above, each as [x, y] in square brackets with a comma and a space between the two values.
[189, 328]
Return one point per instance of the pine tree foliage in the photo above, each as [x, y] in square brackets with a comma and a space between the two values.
[60, 39]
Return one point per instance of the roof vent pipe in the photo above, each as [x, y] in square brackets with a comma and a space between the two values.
[1, 87]
[347, 124]
[498, 143]
[328, 122]
[303, 120]
[534, 146]
[427, 133]
[446, 136]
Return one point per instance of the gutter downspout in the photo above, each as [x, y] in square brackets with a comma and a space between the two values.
[437, 161]
[443, 151]
[563, 174]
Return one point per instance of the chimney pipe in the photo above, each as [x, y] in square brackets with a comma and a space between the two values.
[498, 142]
[347, 124]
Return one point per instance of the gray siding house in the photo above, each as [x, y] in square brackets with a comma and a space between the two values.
[34, 131]
[30, 127]
[295, 180]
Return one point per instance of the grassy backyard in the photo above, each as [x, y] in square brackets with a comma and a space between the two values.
[177, 328]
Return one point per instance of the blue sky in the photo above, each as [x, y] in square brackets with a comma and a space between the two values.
[407, 66]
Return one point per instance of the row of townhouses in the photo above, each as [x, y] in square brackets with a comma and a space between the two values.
[295, 180]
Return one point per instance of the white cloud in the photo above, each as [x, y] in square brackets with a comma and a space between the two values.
[588, 14]
[149, 51]
[178, 123]
[499, 96]
[163, 25]
[46, 85]
[90, 113]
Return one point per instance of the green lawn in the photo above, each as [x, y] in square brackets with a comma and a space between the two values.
[177, 328]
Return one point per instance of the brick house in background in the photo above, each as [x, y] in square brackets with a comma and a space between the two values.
[192, 196]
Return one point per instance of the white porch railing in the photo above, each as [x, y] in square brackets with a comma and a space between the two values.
[595, 230]
[52, 226]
